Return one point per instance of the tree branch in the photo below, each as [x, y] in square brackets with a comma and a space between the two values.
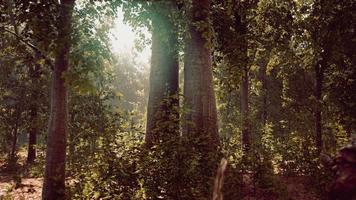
[32, 46]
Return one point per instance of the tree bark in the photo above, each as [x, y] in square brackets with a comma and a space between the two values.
[200, 115]
[12, 155]
[319, 77]
[163, 95]
[244, 89]
[54, 178]
[13, 145]
[264, 90]
[32, 138]
[241, 25]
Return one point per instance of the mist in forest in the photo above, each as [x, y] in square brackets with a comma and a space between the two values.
[177, 100]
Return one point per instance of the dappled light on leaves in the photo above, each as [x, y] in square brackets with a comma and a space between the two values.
[186, 99]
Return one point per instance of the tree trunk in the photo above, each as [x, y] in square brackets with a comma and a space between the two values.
[54, 178]
[319, 76]
[13, 146]
[12, 155]
[32, 139]
[163, 94]
[264, 90]
[241, 25]
[244, 89]
[201, 115]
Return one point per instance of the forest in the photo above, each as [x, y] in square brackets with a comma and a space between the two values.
[238, 100]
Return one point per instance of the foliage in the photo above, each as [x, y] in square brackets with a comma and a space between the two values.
[278, 43]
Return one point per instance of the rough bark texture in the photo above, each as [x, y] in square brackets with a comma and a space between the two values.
[200, 104]
[54, 178]
[163, 95]
[200, 115]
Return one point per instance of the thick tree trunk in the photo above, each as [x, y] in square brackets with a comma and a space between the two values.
[54, 178]
[201, 115]
[163, 95]
[163, 103]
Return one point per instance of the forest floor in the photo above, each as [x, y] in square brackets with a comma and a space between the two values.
[30, 189]
[293, 188]
[17, 185]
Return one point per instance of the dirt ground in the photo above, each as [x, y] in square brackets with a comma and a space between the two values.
[30, 189]
[12, 187]
[293, 186]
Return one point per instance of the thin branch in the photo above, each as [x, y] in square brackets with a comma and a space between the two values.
[32, 46]
[22, 40]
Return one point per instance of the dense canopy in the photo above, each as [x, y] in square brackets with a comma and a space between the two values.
[241, 99]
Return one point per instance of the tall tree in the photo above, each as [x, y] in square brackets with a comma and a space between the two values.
[333, 18]
[54, 178]
[200, 126]
[201, 115]
[34, 128]
[319, 79]
[319, 38]
[163, 94]
[262, 76]
[232, 36]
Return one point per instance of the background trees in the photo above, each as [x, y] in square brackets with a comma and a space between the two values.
[281, 71]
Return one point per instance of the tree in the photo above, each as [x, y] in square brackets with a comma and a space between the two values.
[201, 116]
[26, 22]
[334, 20]
[39, 21]
[200, 128]
[233, 42]
[163, 95]
[54, 179]
[34, 126]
